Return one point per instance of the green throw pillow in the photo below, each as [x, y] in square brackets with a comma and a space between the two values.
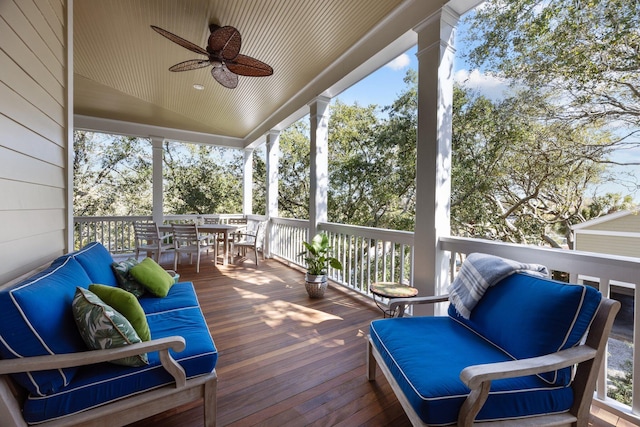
[153, 277]
[126, 304]
[103, 327]
[125, 281]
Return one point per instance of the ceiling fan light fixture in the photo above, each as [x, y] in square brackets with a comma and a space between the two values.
[223, 55]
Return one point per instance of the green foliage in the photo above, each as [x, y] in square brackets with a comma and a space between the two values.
[517, 176]
[586, 53]
[580, 61]
[259, 181]
[622, 387]
[293, 171]
[317, 257]
[201, 179]
[111, 175]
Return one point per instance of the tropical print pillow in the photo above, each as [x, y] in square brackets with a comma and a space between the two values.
[125, 281]
[103, 327]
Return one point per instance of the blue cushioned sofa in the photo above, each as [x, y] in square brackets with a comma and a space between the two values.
[48, 377]
[513, 359]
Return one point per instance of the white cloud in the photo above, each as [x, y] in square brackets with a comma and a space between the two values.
[399, 63]
[489, 85]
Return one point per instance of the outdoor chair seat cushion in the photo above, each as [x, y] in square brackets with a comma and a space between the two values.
[428, 371]
[180, 295]
[94, 385]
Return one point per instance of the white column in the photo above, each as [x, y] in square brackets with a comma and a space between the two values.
[433, 166]
[273, 157]
[319, 162]
[247, 182]
[158, 155]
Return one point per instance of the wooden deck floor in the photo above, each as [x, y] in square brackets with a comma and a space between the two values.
[286, 359]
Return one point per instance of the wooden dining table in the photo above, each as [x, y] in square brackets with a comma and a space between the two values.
[225, 229]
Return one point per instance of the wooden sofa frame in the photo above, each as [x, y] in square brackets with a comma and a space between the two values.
[587, 356]
[120, 412]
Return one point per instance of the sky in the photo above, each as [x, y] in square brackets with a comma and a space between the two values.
[383, 87]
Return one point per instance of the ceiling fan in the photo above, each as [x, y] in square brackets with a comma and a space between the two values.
[223, 53]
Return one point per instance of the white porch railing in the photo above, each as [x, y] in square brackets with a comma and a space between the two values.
[116, 232]
[369, 255]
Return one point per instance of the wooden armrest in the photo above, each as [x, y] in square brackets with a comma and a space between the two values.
[400, 303]
[246, 235]
[68, 360]
[474, 376]
[166, 236]
[478, 377]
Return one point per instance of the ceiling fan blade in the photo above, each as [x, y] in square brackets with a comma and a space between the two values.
[248, 66]
[179, 40]
[192, 64]
[225, 40]
[225, 77]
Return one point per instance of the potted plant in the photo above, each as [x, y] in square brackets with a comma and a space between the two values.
[316, 255]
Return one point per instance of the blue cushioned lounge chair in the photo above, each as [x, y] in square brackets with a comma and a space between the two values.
[511, 362]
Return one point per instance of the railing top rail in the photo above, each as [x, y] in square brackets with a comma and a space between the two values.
[402, 237]
[294, 222]
[613, 267]
[111, 218]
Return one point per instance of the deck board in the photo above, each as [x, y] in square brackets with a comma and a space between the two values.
[286, 359]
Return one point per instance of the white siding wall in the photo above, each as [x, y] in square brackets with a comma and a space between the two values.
[33, 134]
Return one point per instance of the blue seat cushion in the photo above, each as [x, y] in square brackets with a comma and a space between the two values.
[96, 261]
[37, 320]
[180, 295]
[426, 355]
[529, 316]
[98, 384]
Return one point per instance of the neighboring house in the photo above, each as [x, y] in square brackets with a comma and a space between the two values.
[615, 234]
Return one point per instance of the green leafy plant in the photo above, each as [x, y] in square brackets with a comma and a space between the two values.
[621, 387]
[317, 256]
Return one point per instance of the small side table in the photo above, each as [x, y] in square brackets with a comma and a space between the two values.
[390, 290]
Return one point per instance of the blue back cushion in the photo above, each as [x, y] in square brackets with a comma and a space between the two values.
[37, 320]
[96, 261]
[530, 316]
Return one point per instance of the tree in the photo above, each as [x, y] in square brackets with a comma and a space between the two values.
[516, 176]
[259, 182]
[111, 175]
[583, 54]
[355, 165]
[201, 179]
[293, 171]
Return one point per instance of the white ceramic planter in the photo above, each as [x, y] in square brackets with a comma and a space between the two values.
[316, 285]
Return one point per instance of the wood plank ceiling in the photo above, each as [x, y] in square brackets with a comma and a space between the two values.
[121, 65]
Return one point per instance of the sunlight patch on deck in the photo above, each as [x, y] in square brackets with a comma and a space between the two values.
[276, 312]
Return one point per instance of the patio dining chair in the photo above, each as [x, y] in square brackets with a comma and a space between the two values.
[187, 240]
[149, 239]
[251, 240]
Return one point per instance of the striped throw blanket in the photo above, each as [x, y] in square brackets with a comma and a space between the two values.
[481, 271]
